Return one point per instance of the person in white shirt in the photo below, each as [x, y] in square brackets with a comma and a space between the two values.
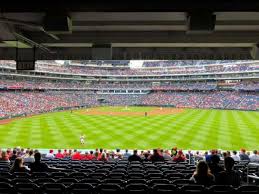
[82, 139]
[235, 156]
[254, 157]
[29, 158]
[50, 154]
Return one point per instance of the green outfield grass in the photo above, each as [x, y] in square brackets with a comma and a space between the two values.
[191, 129]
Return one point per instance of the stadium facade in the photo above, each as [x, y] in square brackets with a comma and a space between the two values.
[193, 84]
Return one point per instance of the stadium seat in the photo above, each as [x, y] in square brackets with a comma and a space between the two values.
[115, 181]
[67, 181]
[104, 188]
[136, 188]
[181, 182]
[81, 188]
[158, 181]
[136, 176]
[6, 188]
[136, 181]
[5, 180]
[77, 175]
[41, 181]
[21, 180]
[221, 189]
[155, 176]
[192, 188]
[57, 175]
[248, 189]
[91, 181]
[116, 175]
[39, 175]
[26, 188]
[164, 188]
[53, 188]
[21, 175]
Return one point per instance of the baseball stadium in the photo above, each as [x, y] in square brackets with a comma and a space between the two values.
[131, 105]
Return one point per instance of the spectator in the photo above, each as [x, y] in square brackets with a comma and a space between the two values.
[135, 156]
[91, 156]
[174, 151]
[214, 166]
[254, 157]
[180, 157]
[59, 155]
[4, 157]
[29, 158]
[103, 158]
[156, 156]
[37, 165]
[126, 154]
[18, 166]
[229, 176]
[202, 175]
[167, 155]
[118, 154]
[14, 155]
[235, 156]
[243, 155]
[76, 155]
[50, 155]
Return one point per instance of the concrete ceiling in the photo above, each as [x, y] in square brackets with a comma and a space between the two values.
[134, 31]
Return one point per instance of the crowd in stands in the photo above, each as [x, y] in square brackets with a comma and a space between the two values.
[216, 99]
[32, 102]
[68, 84]
[158, 68]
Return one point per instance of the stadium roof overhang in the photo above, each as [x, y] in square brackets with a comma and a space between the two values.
[132, 30]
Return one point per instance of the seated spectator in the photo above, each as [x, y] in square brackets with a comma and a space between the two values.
[90, 156]
[59, 155]
[18, 166]
[118, 154]
[243, 155]
[50, 155]
[254, 157]
[103, 158]
[167, 155]
[235, 156]
[37, 165]
[29, 158]
[156, 156]
[4, 157]
[202, 175]
[190, 157]
[174, 151]
[65, 153]
[214, 166]
[13, 156]
[229, 176]
[146, 157]
[126, 154]
[135, 156]
[180, 157]
[76, 155]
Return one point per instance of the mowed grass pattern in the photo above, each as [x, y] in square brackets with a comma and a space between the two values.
[191, 129]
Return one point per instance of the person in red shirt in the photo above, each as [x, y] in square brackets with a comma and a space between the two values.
[91, 156]
[76, 155]
[59, 155]
[180, 157]
[65, 154]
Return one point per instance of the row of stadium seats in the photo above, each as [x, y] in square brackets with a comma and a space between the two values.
[117, 187]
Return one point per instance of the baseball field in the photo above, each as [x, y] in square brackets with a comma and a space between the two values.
[128, 127]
